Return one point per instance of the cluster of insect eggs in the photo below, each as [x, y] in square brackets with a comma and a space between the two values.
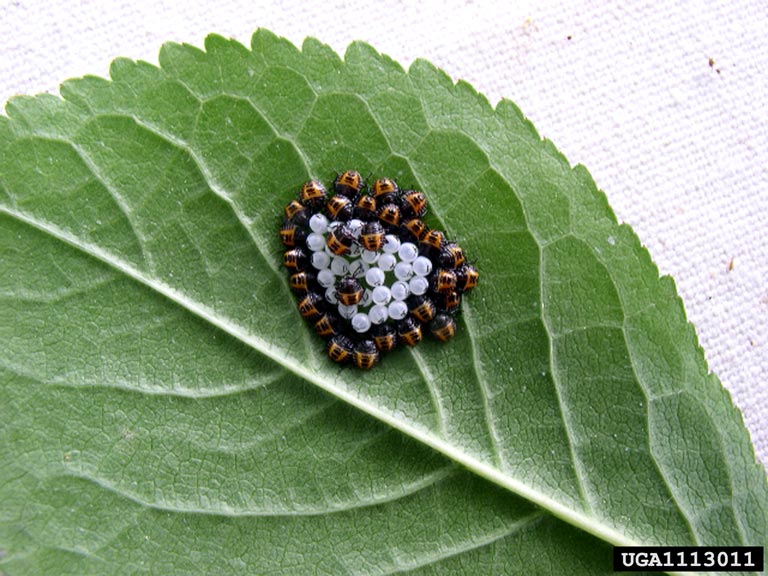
[367, 271]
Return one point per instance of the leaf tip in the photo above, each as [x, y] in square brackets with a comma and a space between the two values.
[469, 91]
[317, 50]
[424, 69]
[262, 36]
[362, 51]
[216, 42]
[266, 41]
[120, 67]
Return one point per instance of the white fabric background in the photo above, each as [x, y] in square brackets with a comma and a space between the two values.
[679, 146]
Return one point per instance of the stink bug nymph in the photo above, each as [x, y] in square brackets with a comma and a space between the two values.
[340, 240]
[443, 280]
[385, 337]
[348, 184]
[340, 348]
[422, 308]
[326, 326]
[467, 277]
[292, 235]
[311, 305]
[365, 208]
[349, 291]
[313, 194]
[372, 236]
[339, 208]
[413, 204]
[409, 331]
[385, 191]
[451, 255]
[389, 214]
[416, 228]
[295, 259]
[443, 327]
[296, 212]
[448, 301]
[303, 281]
[432, 242]
[366, 355]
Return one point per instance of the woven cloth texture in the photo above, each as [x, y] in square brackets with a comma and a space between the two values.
[663, 102]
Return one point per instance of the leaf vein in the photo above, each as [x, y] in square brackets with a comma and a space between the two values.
[576, 464]
[488, 539]
[119, 200]
[434, 392]
[484, 390]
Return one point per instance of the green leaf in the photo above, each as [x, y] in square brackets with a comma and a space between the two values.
[165, 410]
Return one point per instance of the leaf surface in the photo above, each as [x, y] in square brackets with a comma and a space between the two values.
[165, 409]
